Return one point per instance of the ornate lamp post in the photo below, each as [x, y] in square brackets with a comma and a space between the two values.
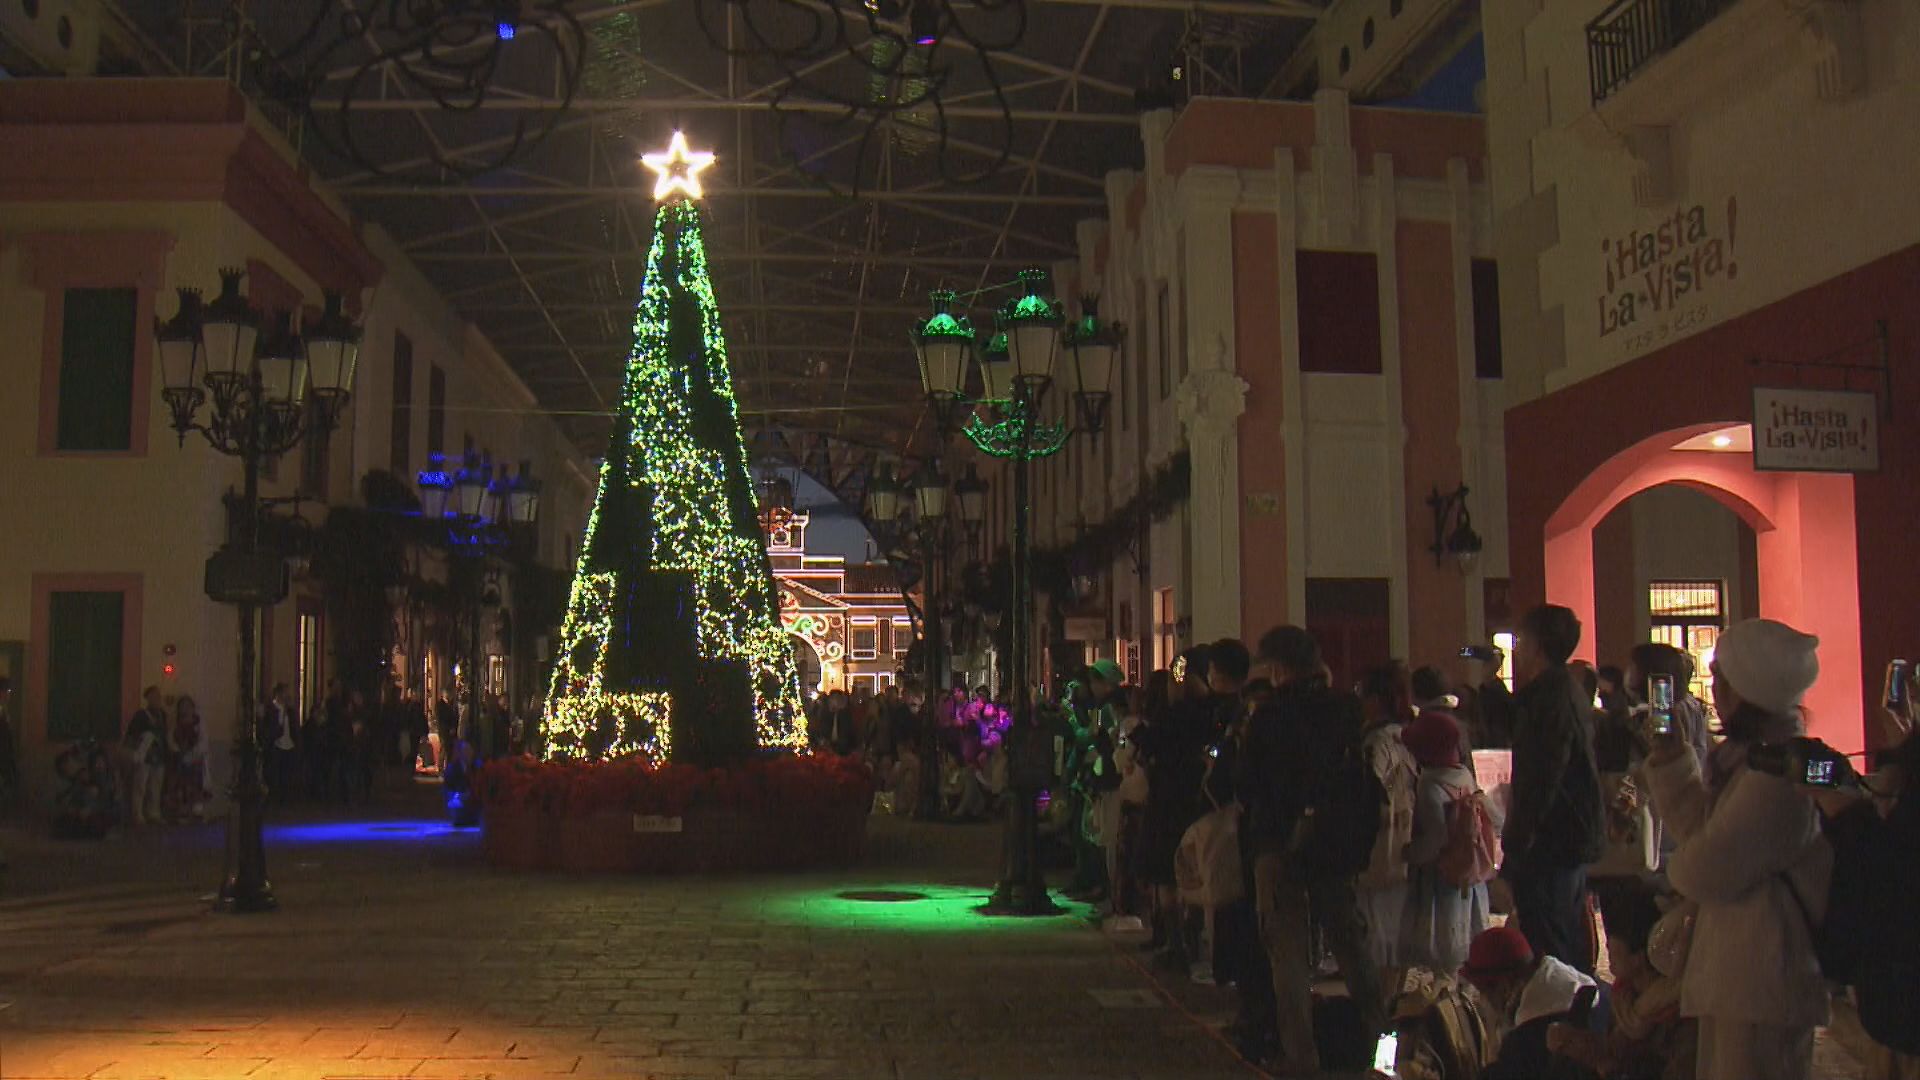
[479, 512]
[1009, 421]
[257, 383]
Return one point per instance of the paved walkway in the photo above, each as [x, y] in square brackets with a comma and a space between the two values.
[398, 954]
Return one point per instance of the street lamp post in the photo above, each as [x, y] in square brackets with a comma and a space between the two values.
[482, 511]
[1010, 422]
[258, 385]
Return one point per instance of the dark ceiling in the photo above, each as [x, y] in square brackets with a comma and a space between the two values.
[544, 251]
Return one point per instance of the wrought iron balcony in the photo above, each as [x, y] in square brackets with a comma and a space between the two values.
[1630, 34]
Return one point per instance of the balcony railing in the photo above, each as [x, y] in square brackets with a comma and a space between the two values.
[1630, 34]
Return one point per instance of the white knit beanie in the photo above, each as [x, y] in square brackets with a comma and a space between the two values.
[1769, 663]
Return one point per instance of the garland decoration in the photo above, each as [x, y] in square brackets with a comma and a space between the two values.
[1165, 490]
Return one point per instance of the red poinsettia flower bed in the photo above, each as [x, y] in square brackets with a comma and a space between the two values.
[784, 783]
[778, 810]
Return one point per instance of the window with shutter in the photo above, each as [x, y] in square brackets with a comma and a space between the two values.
[96, 369]
[1339, 312]
[83, 665]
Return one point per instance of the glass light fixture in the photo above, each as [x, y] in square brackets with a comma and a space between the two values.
[930, 491]
[996, 370]
[972, 491]
[436, 487]
[178, 342]
[470, 485]
[333, 348]
[282, 363]
[883, 496]
[229, 330]
[1033, 330]
[523, 497]
[1095, 346]
[942, 343]
[497, 507]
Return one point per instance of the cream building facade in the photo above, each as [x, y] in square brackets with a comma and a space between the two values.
[1308, 293]
[114, 194]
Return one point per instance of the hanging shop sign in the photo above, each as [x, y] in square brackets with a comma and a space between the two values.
[1086, 628]
[1835, 431]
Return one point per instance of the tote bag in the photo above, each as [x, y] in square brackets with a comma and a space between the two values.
[1207, 865]
[1633, 837]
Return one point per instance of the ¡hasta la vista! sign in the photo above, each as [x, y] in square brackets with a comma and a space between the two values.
[1815, 430]
[1661, 273]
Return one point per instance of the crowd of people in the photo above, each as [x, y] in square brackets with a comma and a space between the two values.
[158, 773]
[1271, 829]
[948, 762]
[159, 770]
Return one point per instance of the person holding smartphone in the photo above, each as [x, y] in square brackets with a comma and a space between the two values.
[1871, 940]
[1751, 855]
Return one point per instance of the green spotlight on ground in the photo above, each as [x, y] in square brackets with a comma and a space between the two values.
[906, 908]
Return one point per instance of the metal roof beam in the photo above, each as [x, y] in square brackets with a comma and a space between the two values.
[574, 191]
[1259, 9]
[725, 309]
[641, 105]
[824, 348]
[722, 257]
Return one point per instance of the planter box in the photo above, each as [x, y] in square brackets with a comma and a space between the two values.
[599, 843]
[517, 840]
[712, 839]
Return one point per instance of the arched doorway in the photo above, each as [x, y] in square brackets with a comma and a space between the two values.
[807, 661]
[1804, 551]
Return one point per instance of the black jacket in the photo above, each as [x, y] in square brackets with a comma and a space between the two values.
[1557, 820]
[1291, 742]
[1173, 748]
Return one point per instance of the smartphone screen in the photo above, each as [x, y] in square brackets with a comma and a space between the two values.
[1823, 772]
[1386, 1052]
[1897, 676]
[1213, 751]
[1660, 703]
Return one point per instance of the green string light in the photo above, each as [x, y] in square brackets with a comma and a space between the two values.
[678, 472]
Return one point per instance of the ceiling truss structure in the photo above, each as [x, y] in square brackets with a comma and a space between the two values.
[818, 292]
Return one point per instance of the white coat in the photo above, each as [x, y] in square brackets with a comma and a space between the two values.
[1752, 960]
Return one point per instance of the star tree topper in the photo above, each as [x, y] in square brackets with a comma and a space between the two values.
[677, 168]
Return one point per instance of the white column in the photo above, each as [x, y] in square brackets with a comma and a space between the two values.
[1210, 400]
[1293, 421]
[1386, 215]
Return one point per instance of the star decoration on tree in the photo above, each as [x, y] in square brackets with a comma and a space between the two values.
[677, 168]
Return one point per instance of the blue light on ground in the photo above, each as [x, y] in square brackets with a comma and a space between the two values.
[362, 832]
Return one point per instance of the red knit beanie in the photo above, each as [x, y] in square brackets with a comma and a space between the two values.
[1434, 739]
[1498, 951]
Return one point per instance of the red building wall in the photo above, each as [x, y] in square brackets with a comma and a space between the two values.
[1557, 441]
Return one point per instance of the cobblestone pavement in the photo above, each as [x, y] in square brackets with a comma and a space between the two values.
[398, 954]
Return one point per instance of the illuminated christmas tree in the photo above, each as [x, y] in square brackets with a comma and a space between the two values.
[672, 644]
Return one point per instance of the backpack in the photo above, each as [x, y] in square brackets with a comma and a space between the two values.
[1393, 766]
[1869, 940]
[1335, 834]
[1442, 1036]
[1471, 855]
